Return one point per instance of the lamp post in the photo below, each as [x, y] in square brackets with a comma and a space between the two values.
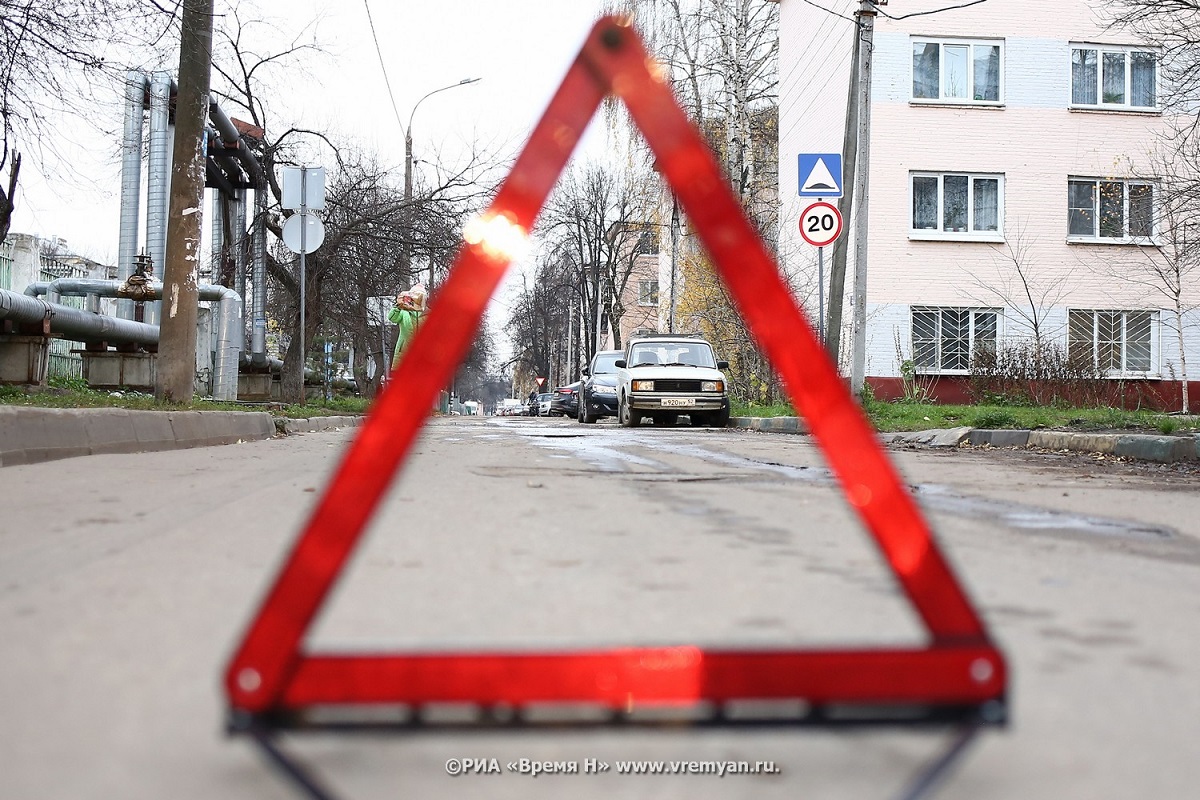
[408, 156]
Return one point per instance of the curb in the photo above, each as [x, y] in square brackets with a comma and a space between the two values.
[29, 435]
[293, 426]
[1139, 446]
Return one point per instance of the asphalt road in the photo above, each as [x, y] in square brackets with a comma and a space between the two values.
[126, 581]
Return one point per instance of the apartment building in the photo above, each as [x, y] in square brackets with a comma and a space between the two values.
[1013, 188]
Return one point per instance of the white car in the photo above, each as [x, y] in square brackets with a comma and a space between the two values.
[666, 376]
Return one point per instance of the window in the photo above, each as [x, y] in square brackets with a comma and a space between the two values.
[957, 204]
[947, 339]
[647, 293]
[1116, 341]
[956, 71]
[1113, 210]
[1114, 77]
[647, 242]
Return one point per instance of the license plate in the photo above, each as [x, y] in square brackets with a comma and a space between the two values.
[678, 401]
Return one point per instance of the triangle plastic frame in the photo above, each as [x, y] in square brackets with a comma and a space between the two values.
[272, 682]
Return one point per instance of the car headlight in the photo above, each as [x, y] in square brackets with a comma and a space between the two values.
[602, 389]
[712, 386]
[643, 386]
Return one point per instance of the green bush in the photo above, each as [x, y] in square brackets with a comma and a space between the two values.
[994, 419]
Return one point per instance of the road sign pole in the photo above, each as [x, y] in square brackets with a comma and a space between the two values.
[303, 250]
[821, 295]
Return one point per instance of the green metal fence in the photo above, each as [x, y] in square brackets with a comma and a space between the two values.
[62, 363]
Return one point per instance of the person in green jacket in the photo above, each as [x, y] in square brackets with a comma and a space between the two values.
[407, 313]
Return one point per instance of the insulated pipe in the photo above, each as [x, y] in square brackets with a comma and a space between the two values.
[258, 336]
[158, 180]
[229, 304]
[131, 181]
[239, 245]
[77, 325]
[218, 238]
[230, 136]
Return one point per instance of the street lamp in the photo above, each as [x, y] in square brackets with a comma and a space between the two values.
[408, 156]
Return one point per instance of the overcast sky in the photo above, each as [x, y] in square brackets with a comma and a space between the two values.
[519, 48]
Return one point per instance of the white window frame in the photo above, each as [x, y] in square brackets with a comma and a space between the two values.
[1127, 52]
[1095, 237]
[1152, 371]
[970, 234]
[942, 99]
[648, 288]
[972, 327]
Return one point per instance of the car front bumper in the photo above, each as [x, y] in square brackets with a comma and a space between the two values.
[676, 403]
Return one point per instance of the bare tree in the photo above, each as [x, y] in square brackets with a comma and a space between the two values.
[1019, 285]
[1173, 26]
[722, 58]
[370, 228]
[52, 55]
[594, 223]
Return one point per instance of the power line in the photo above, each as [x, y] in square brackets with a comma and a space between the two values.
[923, 13]
[382, 67]
[831, 11]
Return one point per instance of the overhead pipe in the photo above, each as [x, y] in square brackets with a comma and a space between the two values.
[231, 138]
[229, 304]
[73, 323]
[136, 85]
[158, 180]
[231, 168]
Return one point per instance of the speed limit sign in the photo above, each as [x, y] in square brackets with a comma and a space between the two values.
[820, 224]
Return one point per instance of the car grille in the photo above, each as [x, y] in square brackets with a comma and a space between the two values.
[676, 386]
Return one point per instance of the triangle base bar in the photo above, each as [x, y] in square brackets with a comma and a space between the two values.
[626, 677]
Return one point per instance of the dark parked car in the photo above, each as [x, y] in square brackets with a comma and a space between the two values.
[598, 394]
[565, 400]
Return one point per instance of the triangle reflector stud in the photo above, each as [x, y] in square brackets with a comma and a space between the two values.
[272, 681]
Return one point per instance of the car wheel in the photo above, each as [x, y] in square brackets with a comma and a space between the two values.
[627, 416]
[721, 418]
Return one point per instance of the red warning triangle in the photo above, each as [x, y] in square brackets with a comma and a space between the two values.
[272, 677]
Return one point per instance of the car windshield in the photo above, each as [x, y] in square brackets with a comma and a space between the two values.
[682, 354]
[606, 364]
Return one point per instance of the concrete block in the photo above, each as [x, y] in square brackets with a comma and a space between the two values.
[1084, 442]
[999, 438]
[937, 437]
[782, 425]
[253, 425]
[23, 359]
[254, 387]
[18, 431]
[62, 435]
[1164, 449]
[293, 426]
[746, 423]
[153, 430]
[189, 428]
[109, 430]
[113, 370]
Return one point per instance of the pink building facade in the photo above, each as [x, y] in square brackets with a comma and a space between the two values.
[1013, 188]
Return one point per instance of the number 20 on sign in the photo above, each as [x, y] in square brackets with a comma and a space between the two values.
[820, 224]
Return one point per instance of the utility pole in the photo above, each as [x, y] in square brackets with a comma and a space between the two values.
[177, 330]
[837, 270]
[674, 261]
[866, 16]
